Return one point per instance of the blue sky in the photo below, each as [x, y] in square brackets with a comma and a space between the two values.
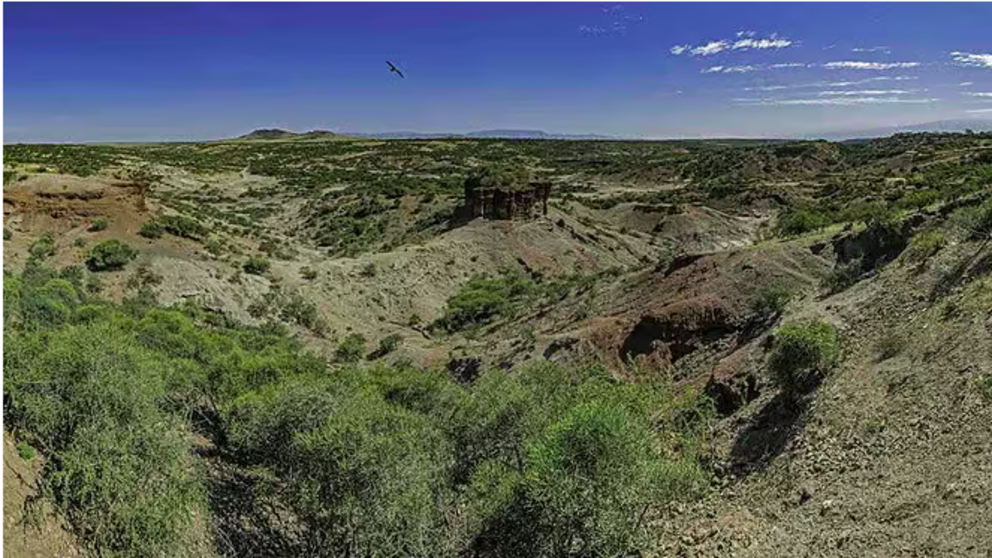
[146, 71]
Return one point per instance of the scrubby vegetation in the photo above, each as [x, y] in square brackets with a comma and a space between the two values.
[924, 246]
[550, 461]
[802, 355]
[771, 300]
[256, 266]
[483, 298]
[110, 255]
[151, 229]
[98, 225]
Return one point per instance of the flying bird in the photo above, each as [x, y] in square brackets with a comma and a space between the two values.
[394, 69]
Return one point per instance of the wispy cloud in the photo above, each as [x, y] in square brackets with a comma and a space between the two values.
[966, 83]
[970, 59]
[790, 65]
[772, 87]
[743, 41]
[978, 94]
[977, 111]
[761, 44]
[730, 69]
[882, 49]
[615, 22]
[859, 65]
[813, 84]
[871, 80]
[868, 92]
[709, 48]
[833, 101]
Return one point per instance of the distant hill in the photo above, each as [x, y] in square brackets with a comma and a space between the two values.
[937, 126]
[493, 134]
[268, 134]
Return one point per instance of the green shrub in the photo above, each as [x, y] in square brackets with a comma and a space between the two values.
[180, 225]
[303, 312]
[49, 305]
[801, 220]
[308, 273]
[924, 246]
[121, 468]
[43, 247]
[376, 473]
[918, 199]
[482, 298]
[25, 451]
[98, 225]
[351, 349]
[368, 270]
[387, 345]
[151, 229]
[7, 235]
[591, 477]
[110, 255]
[771, 300]
[256, 266]
[802, 354]
[976, 221]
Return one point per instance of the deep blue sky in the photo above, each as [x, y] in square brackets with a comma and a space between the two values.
[143, 71]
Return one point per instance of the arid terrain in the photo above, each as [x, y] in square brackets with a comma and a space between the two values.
[682, 264]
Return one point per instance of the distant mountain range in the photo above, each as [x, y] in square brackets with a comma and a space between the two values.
[278, 134]
[323, 135]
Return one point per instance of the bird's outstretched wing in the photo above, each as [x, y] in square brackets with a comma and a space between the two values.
[393, 68]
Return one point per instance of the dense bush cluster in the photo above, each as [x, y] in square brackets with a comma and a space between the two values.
[483, 298]
[186, 227]
[372, 461]
[109, 255]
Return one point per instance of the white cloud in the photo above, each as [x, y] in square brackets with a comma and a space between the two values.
[870, 80]
[790, 65]
[869, 92]
[709, 48]
[745, 40]
[882, 49]
[836, 101]
[978, 94]
[771, 88]
[773, 42]
[856, 65]
[966, 83]
[969, 59]
[976, 111]
[730, 69]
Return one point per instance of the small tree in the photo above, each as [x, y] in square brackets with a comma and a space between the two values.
[351, 349]
[110, 255]
[98, 225]
[802, 354]
[151, 229]
[256, 266]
